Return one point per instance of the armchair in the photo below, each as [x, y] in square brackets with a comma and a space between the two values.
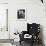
[33, 30]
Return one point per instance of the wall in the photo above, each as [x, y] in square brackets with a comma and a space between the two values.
[14, 5]
[35, 13]
[3, 1]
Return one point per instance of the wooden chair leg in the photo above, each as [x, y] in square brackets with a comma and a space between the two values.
[20, 42]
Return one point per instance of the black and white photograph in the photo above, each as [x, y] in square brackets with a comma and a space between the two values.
[21, 14]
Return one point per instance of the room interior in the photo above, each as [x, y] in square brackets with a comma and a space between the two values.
[12, 24]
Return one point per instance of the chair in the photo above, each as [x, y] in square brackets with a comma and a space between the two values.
[33, 30]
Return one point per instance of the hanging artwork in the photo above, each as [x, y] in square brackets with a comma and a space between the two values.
[21, 14]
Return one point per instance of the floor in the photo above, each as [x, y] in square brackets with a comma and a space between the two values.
[5, 44]
[23, 44]
[26, 44]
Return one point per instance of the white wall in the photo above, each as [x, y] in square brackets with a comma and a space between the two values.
[35, 13]
[3, 1]
[31, 11]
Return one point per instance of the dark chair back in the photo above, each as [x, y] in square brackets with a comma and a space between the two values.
[33, 28]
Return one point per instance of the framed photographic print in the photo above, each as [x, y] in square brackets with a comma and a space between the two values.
[21, 14]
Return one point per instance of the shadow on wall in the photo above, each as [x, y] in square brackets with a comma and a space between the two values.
[41, 34]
